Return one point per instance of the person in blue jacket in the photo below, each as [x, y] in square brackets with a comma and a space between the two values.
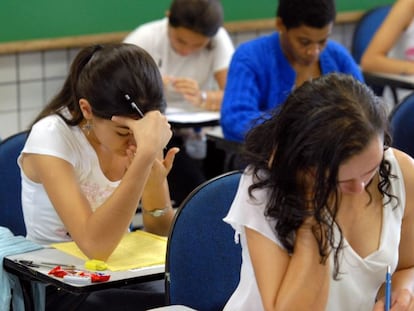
[265, 70]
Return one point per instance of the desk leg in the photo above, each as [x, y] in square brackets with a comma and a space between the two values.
[27, 295]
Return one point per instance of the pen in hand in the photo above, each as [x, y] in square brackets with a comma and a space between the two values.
[388, 289]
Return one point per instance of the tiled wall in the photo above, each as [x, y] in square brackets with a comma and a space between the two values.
[29, 80]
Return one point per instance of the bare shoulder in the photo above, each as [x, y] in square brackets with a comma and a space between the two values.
[405, 161]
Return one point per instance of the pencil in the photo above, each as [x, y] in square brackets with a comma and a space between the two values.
[134, 105]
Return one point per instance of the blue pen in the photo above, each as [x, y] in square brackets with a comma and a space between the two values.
[388, 289]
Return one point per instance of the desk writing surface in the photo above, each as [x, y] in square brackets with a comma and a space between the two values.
[136, 250]
[394, 80]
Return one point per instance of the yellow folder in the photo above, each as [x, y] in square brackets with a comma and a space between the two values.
[137, 249]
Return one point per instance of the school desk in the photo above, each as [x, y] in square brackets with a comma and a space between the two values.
[183, 114]
[26, 273]
[392, 80]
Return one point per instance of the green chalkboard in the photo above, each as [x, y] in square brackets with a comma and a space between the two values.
[42, 19]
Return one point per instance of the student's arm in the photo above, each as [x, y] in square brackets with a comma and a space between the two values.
[403, 278]
[98, 233]
[240, 104]
[157, 195]
[215, 97]
[297, 282]
[375, 57]
[190, 89]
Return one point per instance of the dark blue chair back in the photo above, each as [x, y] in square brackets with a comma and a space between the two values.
[365, 30]
[203, 262]
[11, 214]
[363, 33]
[402, 125]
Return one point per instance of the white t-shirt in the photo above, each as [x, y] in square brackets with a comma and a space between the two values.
[52, 136]
[361, 278]
[200, 66]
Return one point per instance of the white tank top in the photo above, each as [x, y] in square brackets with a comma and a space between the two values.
[361, 277]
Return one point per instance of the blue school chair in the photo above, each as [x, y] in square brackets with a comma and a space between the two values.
[402, 125]
[363, 33]
[11, 214]
[203, 262]
[366, 28]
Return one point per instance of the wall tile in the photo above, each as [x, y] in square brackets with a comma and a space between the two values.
[8, 97]
[55, 63]
[27, 116]
[52, 86]
[31, 95]
[9, 124]
[8, 72]
[30, 66]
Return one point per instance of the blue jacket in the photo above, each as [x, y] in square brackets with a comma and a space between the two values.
[260, 78]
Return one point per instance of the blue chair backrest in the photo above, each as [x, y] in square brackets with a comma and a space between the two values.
[402, 125]
[365, 30]
[11, 214]
[203, 262]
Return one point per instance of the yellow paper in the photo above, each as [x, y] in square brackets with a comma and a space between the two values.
[136, 250]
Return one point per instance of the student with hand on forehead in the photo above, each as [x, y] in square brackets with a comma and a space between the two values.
[93, 154]
[265, 70]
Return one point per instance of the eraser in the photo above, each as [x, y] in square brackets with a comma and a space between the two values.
[95, 264]
[77, 279]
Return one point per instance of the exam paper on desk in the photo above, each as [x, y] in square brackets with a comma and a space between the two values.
[136, 250]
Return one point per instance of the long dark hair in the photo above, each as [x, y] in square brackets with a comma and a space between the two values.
[104, 75]
[321, 124]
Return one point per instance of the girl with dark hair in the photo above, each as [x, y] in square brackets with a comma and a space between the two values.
[324, 205]
[192, 49]
[193, 52]
[96, 151]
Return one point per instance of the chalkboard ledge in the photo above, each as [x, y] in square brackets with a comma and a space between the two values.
[85, 40]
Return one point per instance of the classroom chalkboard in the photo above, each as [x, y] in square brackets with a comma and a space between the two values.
[43, 19]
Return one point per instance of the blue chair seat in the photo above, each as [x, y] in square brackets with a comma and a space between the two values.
[402, 125]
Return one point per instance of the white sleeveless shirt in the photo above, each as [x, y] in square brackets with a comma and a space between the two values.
[361, 277]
